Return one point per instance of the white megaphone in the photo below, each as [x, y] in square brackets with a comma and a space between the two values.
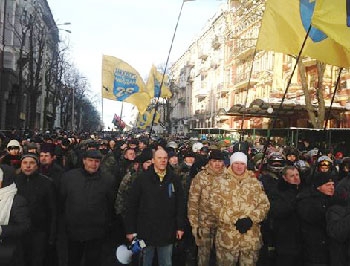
[124, 255]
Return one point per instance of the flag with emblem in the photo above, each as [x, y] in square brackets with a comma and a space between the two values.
[153, 84]
[121, 82]
[284, 27]
[144, 120]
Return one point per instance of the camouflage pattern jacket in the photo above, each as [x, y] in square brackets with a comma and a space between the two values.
[120, 205]
[199, 213]
[234, 197]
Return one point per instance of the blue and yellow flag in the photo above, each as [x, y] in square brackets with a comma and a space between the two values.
[153, 84]
[284, 27]
[121, 82]
[333, 18]
[144, 120]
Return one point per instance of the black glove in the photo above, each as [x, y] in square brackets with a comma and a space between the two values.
[244, 224]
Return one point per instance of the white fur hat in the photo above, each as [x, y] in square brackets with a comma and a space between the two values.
[238, 157]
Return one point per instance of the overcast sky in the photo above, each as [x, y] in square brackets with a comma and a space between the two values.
[136, 31]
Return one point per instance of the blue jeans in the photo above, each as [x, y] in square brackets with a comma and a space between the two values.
[164, 255]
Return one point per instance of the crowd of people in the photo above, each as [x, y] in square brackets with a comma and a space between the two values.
[72, 200]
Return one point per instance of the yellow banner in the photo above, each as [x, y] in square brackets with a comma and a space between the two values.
[145, 119]
[153, 84]
[333, 18]
[121, 82]
[284, 27]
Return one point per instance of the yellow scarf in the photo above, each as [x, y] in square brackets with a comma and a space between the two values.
[161, 175]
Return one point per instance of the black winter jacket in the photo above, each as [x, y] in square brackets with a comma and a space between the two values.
[285, 220]
[87, 203]
[54, 172]
[39, 192]
[312, 206]
[156, 210]
[338, 228]
[10, 237]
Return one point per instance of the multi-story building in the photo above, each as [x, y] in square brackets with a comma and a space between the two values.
[29, 42]
[198, 75]
[221, 81]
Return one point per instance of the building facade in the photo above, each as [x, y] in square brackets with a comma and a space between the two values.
[29, 44]
[223, 82]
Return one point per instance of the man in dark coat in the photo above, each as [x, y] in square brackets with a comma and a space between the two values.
[338, 224]
[87, 198]
[312, 205]
[14, 222]
[284, 218]
[156, 211]
[54, 171]
[48, 165]
[39, 192]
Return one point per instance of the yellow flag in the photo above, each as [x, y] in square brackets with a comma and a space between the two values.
[145, 119]
[284, 27]
[333, 18]
[153, 84]
[121, 82]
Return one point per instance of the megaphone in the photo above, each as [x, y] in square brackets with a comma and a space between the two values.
[124, 255]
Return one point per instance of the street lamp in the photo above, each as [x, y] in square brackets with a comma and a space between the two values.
[270, 110]
[52, 33]
[73, 110]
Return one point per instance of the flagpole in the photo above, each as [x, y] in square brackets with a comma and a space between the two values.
[166, 66]
[272, 125]
[102, 110]
[121, 112]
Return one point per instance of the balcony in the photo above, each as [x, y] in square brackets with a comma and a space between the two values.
[201, 96]
[202, 54]
[214, 63]
[190, 64]
[244, 83]
[182, 100]
[216, 43]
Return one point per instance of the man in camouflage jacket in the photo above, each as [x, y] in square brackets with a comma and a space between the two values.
[239, 205]
[201, 218]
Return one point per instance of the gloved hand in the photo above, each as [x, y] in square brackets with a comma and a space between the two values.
[244, 224]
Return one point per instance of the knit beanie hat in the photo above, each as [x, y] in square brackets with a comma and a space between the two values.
[31, 155]
[322, 178]
[238, 157]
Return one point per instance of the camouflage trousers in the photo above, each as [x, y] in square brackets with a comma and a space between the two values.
[225, 257]
[204, 241]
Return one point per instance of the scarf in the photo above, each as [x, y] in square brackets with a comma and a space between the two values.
[6, 199]
[161, 175]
